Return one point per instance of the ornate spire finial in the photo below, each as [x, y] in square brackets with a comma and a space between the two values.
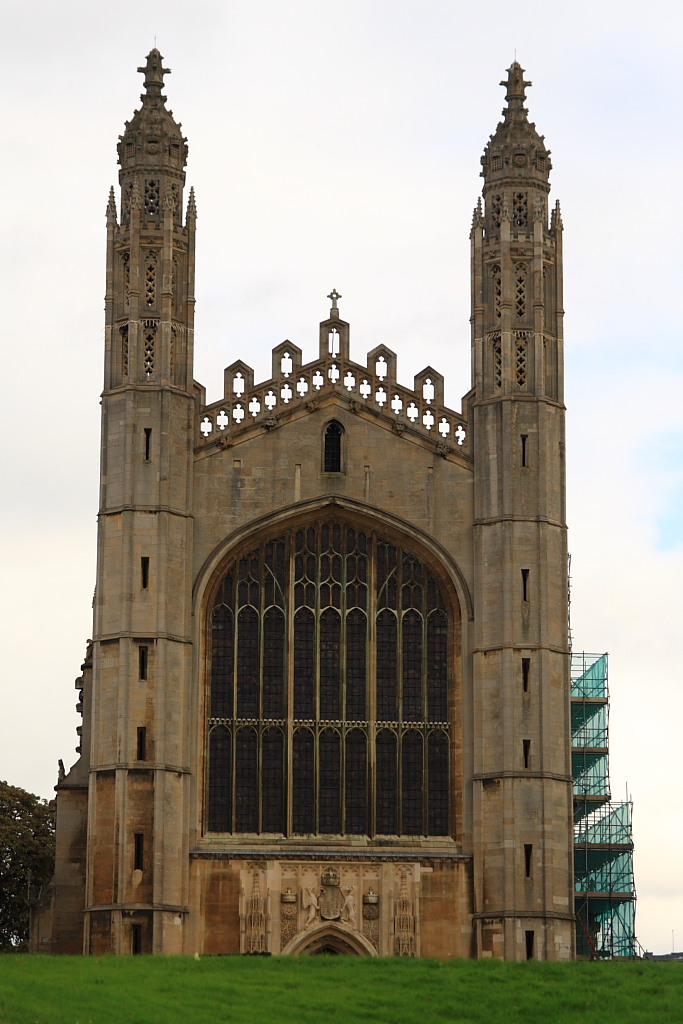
[111, 206]
[556, 220]
[403, 887]
[334, 296]
[516, 150]
[152, 138]
[515, 85]
[154, 72]
[256, 886]
[191, 205]
[477, 217]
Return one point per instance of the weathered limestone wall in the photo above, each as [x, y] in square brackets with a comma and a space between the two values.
[379, 906]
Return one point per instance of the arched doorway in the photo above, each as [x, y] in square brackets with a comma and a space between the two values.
[330, 939]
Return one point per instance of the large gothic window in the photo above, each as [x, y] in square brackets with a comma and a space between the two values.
[328, 695]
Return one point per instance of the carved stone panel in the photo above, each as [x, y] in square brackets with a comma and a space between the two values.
[404, 919]
[371, 916]
[253, 924]
[331, 899]
[379, 902]
[288, 915]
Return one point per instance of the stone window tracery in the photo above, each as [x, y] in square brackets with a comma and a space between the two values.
[520, 210]
[521, 358]
[520, 290]
[152, 197]
[329, 654]
[496, 211]
[332, 454]
[497, 354]
[124, 351]
[125, 262]
[497, 288]
[150, 277]
[149, 338]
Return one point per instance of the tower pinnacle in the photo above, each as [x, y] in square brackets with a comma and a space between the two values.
[516, 152]
[154, 72]
[515, 94]
[152, 150]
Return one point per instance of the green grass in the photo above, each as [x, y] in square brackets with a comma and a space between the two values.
[287, 990]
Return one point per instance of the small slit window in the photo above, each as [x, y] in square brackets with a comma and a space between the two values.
[139, 851]
[332, 456]
[525, 584]
[142, 743]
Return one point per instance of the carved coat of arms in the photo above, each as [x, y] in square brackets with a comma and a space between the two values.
[331, 898]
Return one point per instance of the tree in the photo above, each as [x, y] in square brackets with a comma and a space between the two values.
[27, 857]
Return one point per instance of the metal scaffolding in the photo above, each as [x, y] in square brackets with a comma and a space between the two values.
[603, 840]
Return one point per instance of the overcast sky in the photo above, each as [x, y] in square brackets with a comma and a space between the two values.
[338, 145]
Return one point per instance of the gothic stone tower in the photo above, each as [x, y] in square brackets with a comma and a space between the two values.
[326, 701]
[521, 766]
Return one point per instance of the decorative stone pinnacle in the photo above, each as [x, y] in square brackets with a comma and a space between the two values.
[135, 196]
[334, 296]
[111, 206]
[515, 84]
[191, 205]
[154, 72]
[557, 217]
[478, 216]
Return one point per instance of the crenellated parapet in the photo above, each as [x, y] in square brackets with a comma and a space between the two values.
[296, 387]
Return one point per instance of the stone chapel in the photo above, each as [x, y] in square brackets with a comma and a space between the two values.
[326, 703]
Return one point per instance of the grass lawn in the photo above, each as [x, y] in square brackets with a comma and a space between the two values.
[180, 990]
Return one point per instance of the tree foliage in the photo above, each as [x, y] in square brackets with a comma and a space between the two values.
[27, 856]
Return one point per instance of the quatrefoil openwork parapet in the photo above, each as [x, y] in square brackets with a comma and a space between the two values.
[296, 386]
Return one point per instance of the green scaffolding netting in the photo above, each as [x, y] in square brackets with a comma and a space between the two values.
[609, 825]
[589, 675]
[605, 928]
[589, 724]
[603, 841]
[591, 774]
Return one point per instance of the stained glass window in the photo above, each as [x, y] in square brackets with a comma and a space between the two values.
[336, 641]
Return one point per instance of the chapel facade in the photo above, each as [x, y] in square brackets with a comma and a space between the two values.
[326, 702]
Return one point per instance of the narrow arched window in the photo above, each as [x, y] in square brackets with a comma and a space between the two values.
[332, 460]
